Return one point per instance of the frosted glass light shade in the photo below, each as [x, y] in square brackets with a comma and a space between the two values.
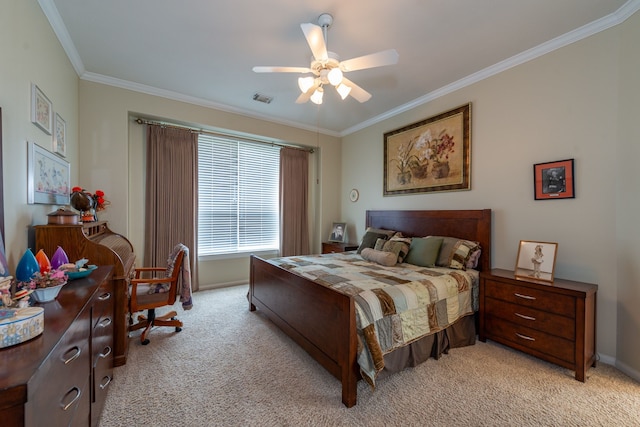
[343, 90]
[335, 76]
[305, 83]
[316, 98]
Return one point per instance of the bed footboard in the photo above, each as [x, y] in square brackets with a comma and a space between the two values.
[319, 319]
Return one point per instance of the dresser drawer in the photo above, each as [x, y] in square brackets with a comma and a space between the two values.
[543, 321]
[539, 299]
[544, 344]
[60, 389]
[103, 302]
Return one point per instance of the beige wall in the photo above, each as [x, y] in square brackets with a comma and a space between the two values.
[627, 206]
[112, 158]
[565, 104]
[30, 53]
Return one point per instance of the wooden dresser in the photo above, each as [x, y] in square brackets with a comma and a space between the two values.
[101, 246]
[553, 321]
[61, 377]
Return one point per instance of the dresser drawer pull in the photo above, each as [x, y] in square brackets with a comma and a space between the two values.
[524, 296]
[524, 337]
[105, 382]
[106, 352]
[74, 400]
[75, 355]
[522, 316]
[105, 322]
[105, 296]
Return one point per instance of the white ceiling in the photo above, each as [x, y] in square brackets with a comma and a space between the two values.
[203, 51]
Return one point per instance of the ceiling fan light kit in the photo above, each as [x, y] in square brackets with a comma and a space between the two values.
[327, 68]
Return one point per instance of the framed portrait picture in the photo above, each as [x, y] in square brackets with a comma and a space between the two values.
[553, 180]
[338, 232]
[60, 137]
[429, 156]
[41, 110]
[536, 260]
[48, 177]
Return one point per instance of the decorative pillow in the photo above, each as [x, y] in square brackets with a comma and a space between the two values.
[446, 250]
[390, 246]
[462, 251]
[370, 238]
[388, 259]
[388, 233]
[424, 251]
[472, 263]
[404, 243]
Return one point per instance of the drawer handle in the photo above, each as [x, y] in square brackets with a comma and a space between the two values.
[74, 400]
[105, 382]
[105, 296]
[522, 316]
[105, 322]
[524, 296]
[106, 352]
[77, 350]
[524, 337]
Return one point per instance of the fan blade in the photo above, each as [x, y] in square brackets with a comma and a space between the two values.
[379, 59]
[315, 39]
[267, 69]
[304, 97]
[356, 91]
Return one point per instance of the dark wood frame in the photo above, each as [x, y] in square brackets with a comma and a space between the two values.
[322, 320]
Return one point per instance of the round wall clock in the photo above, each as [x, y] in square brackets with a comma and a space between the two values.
[354, 195]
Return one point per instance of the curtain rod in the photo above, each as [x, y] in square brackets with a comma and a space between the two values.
[142, 121]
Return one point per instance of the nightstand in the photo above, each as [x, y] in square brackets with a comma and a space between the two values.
[555, 321]
[331, 247]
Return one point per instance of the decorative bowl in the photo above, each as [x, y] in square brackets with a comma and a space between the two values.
[46, 294]
[80, 274]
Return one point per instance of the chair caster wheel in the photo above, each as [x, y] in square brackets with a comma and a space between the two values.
[178, 329]
[145, 342]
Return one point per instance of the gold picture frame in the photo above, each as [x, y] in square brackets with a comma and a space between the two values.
[429, 156]
[536, 260]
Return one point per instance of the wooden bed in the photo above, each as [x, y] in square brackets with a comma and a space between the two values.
[322, 320]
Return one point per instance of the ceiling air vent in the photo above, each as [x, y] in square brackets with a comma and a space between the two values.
[262, 98]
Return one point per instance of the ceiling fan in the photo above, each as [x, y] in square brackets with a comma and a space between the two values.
[326, 67]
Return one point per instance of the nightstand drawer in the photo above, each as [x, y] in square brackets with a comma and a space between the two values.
[540, 299]
[553, 324]
[538, 341]
[333, 247]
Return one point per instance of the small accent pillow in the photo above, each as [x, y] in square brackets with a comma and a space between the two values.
[388, 233]
[389, 246]
[388, 259]
[405, 244]
[370, 238]
[472, 263]
[424, 251]
[462, 251]
[446, 250]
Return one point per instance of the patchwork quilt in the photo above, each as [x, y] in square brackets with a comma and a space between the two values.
[394, 305]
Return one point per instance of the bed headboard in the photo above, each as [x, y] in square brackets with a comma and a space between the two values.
[472, 225]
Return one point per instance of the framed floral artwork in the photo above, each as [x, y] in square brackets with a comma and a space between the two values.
[60, 137]
[553, 180]
[429, 156]
[48, 177]
[41, 110]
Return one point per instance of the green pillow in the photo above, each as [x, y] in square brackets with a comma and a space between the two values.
[424, 251]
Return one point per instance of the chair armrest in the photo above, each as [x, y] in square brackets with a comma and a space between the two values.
[140, 270]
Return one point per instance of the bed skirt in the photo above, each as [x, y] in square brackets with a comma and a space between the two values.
[461, 334]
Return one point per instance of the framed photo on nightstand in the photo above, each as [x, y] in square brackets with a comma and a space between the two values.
[338, 232]
[536, 260]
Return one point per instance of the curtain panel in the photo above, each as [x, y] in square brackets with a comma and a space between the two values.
[171, 195]
[294, 195]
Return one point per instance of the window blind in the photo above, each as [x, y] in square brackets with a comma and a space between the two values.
[238, 207]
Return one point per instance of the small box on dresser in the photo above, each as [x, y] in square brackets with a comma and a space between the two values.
[555, 321]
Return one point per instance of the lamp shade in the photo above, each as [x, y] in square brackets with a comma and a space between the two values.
[305, 83]
[343, 90]
[335, 76]
[316, 98]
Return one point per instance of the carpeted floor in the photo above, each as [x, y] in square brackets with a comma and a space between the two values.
[231, 367]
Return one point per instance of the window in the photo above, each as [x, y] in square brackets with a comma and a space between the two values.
[238, 184]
